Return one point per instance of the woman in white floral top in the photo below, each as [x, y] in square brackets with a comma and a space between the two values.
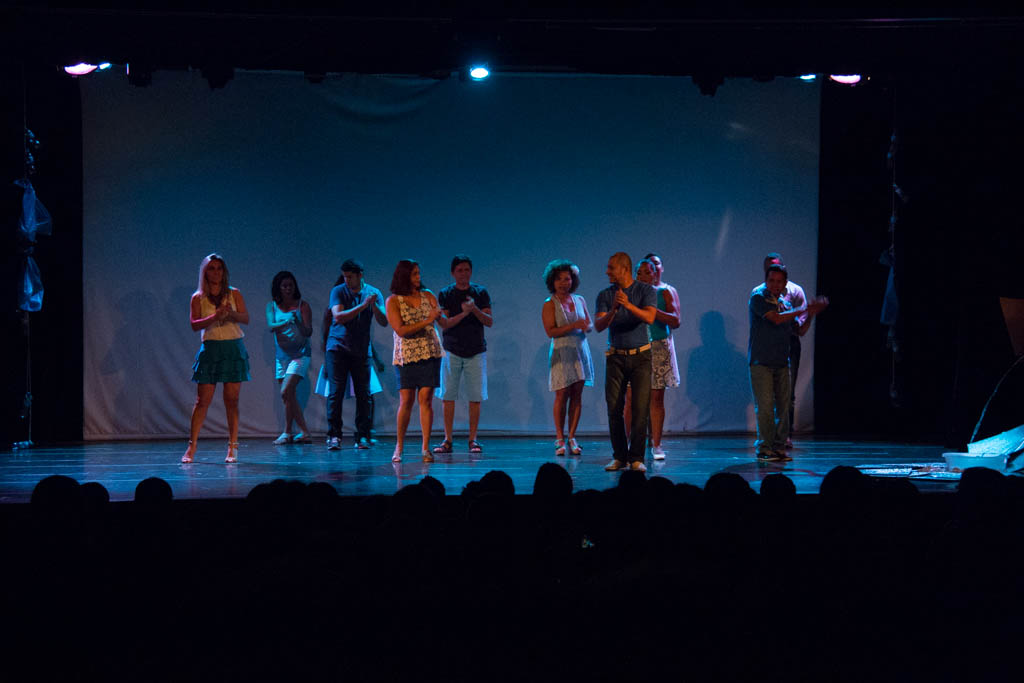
[411, 312]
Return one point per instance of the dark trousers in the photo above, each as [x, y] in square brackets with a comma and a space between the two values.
[620, 372]
[794, 368]
[340, 365]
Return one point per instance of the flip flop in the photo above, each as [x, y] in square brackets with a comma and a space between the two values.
[475, 447]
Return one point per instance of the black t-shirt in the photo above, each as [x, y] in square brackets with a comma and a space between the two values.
[466, 339]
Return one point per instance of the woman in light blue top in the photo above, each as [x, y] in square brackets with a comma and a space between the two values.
[291, 320]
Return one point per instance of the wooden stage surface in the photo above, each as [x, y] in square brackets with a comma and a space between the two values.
[120, 465]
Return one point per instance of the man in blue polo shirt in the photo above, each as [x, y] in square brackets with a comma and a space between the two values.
[625, 309]
[354, 306]
[772, 316]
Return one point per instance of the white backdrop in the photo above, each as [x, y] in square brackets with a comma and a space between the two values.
[276, 173]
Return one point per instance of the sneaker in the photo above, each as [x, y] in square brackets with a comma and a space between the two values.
[789, 443]
[783, 456]
[615, 466]
[333, 443]
[637, 466]
[363, 443]
[768, 457]
[658, 453]
[283, 439]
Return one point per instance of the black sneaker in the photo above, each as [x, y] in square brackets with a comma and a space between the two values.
[333, 443]
[768, 457]
[363, 443]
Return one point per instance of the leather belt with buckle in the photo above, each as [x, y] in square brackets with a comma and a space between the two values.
[627, 352]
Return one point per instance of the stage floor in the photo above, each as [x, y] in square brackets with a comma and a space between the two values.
[119, 466]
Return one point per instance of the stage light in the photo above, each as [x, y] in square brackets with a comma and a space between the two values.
[479, 72]
[104, 66]
[80, 69]
[809, 77]
[849, 79]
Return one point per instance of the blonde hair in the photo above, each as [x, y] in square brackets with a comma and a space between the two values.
[203, 289]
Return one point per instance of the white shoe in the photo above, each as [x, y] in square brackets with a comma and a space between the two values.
[283, 439]
[658, 453]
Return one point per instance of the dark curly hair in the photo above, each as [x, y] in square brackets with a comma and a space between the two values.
[275, 286]
[557, 266]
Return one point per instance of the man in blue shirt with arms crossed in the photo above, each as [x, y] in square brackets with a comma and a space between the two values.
[771, 323]
[625, 309]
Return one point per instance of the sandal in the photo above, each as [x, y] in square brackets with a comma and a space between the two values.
[232, 452]
[428, 456]
[559, 446]
[574, 447]
[475, 447]
[283, 439]
[302, 437]
[397, 456]
[190, 453]
[443, 447]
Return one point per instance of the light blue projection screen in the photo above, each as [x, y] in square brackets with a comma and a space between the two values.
[275, 173]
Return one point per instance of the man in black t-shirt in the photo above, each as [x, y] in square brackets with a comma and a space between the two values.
[466, 310]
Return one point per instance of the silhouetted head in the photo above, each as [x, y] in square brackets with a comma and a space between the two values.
[553, 484]
[778, 488]
[433, 485]
[95, 497]
[153, 492]
[58, 499]
[845, 487]
[497, 482]
[728, 487]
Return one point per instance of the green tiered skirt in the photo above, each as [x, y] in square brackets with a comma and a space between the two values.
[222, 360]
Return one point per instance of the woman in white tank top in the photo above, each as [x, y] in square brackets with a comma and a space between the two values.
[217, 310]
[291, 320]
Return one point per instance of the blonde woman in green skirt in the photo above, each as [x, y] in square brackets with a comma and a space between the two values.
[217, 313]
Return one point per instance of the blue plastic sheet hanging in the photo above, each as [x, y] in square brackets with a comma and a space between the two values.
[35, 221]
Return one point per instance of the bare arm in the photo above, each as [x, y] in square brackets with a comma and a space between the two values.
[811, 312]
[241, 315]
[670, 316]
[395, 317]
[604, 319]
[547, 314]
[378, 313]
[306, 322]
[342, 315]
[810, 309]
[195, 319]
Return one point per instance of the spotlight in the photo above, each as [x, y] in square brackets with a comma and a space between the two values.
[80, 69]
[104, 66]
[479, 72]
[139, 75]
[809, 77]
[850, 79]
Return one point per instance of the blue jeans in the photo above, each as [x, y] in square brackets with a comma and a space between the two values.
[772, 390]
[620, 372]
[340, 364]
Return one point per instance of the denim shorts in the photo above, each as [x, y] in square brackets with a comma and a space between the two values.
[463, 378]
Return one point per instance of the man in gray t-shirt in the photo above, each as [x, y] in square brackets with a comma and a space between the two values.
[625, 309]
